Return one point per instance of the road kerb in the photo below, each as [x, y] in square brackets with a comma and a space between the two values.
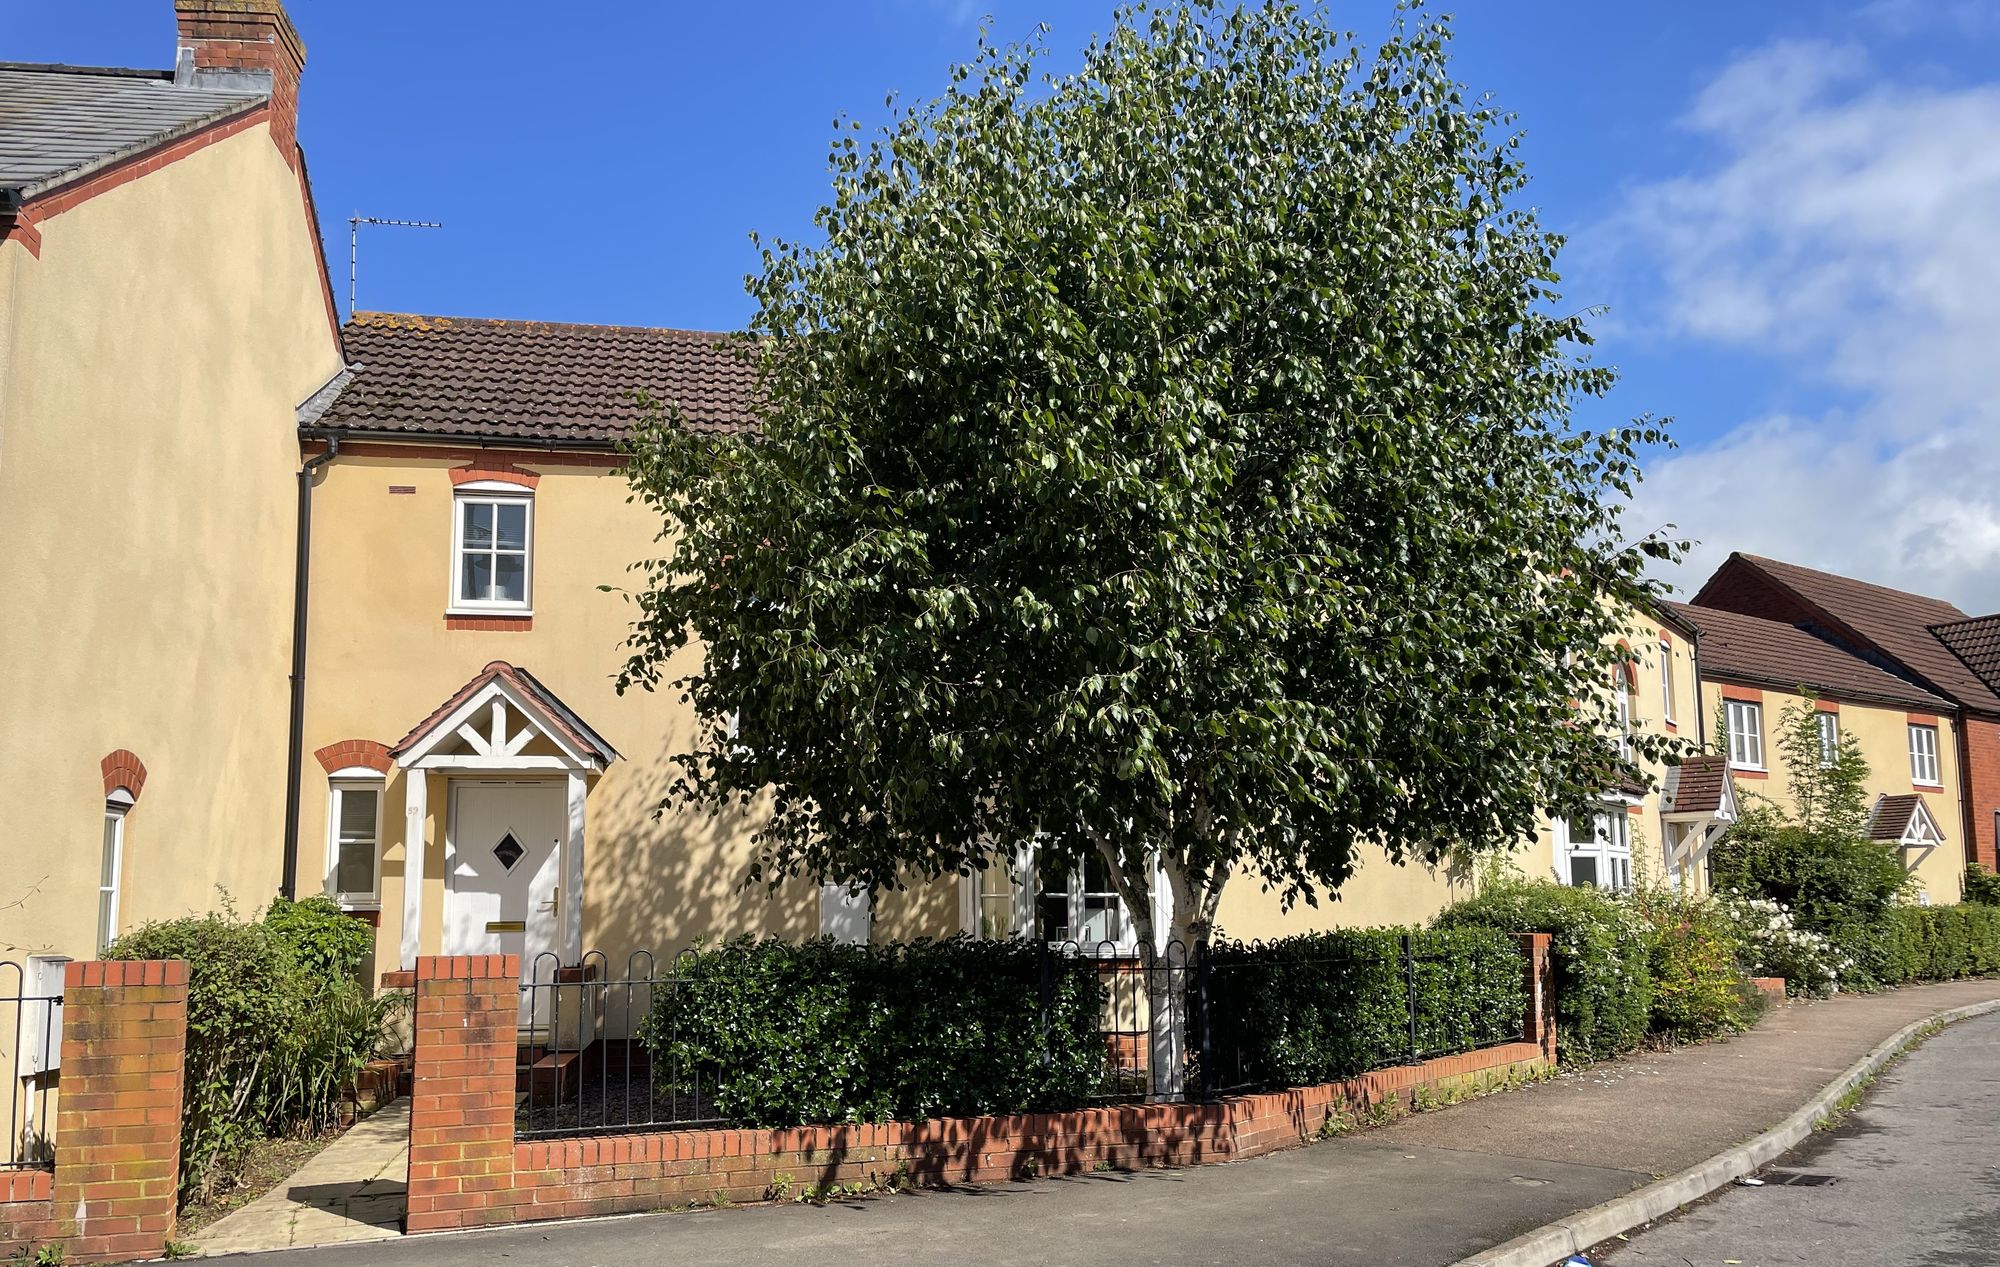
[1556, 1241]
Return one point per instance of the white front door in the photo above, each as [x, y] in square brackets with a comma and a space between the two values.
[504, 860]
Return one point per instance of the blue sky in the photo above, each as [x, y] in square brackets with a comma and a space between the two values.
[1792, 210]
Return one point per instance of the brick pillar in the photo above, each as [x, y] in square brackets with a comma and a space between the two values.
[462, 1089]
[118, 1110]
[1538, 1023]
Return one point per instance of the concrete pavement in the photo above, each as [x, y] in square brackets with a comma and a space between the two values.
[352, 1190]
[1911, 1177]
[1423, 1193]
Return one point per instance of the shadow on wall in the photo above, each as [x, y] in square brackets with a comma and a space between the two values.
[661, 884]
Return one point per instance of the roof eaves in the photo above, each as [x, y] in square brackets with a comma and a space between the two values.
[1918, 697]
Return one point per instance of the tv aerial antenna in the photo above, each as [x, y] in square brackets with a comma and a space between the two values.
[354, 223]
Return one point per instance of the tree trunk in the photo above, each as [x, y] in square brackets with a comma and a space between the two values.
[1168, 962]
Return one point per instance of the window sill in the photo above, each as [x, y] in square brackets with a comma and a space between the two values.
[491, 622]
[359, 904]
[1921, 786]
[1750, 771]
[457, 609]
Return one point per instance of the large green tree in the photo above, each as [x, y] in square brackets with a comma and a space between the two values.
[1170, 461]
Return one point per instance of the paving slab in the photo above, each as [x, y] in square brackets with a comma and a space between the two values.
[354, 1189]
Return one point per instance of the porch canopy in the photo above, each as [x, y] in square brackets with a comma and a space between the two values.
[502, 722]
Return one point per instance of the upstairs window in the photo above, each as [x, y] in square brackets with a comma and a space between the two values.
[1745, 719]
[492, 548]
[1924, 755]
[1622, 702]
[1829, 738]
[1666, 681]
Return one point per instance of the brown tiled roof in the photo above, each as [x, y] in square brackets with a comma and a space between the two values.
[1895, 623]
[1976, 643]
[553, 713]
[542, 381]
[1891, 816]
[1776, 654]
[1696, 786]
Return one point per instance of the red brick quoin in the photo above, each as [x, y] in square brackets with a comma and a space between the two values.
[467, 1170]
[110, 1197]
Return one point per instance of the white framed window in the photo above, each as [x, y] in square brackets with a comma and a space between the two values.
[1829, 737]
[1052, 899]
[492, 548]
[1666, 681]
[1745, 719]
[1621, 697]
[111, 870]
[1924, 754]
[1595, 850]
[354, 841]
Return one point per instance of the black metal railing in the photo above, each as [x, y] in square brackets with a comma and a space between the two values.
[1175, 1024]
[583, 1066]
[31, 1038]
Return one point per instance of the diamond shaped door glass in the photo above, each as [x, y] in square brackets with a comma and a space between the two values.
[508, 851]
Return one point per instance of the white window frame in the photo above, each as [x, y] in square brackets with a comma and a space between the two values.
[1608, 844]
[1828, 723]
[1667, 681]
[339, 785]
[1745, 721]
[1622, 708]
[1924, 768]
[117, 805]
[1015, 891]
[491, 493]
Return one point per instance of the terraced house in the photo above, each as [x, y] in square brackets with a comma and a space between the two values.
[300, 607]
[1927, 643]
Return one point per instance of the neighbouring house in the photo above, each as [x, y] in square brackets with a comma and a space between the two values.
[163, 309]
[1753, 669]
[1924, 641]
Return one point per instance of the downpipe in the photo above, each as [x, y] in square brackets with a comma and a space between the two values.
[295, 745]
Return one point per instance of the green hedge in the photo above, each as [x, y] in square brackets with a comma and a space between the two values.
[1325, 1006]
[1601, 948]
[278, 1025]
[771, 1033]
[1938, 943]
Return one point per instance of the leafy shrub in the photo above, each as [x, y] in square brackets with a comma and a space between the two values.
[1604, 986]
[1939, 943]
[1324, 1006]
[779, 1034]
[1981, 886]
[1840, 886]
[326, 942]
[1699, 987]
[1771, 944]
[277, 1028]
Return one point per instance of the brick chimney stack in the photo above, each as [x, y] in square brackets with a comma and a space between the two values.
[248, 46]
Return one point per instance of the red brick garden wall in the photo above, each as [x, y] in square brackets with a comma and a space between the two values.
[467, 1170]
[118, 1111]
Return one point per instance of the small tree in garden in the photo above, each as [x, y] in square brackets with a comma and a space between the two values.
[1829, 784]
[1169, 462]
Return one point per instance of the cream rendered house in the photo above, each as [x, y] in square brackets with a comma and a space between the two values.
[1753, 669]
[163, 311]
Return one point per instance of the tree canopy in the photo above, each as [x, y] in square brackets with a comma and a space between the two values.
[1170, 460]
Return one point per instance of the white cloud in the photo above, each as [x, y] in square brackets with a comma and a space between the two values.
[1850, 232]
